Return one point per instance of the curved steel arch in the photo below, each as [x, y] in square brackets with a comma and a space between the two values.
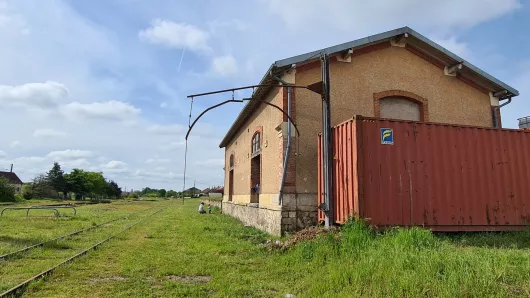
[240, 100]
[208, 109]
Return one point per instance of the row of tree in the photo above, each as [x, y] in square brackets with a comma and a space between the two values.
[79, 182]
[158, 193]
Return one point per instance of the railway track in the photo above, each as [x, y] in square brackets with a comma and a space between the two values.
[19, 289]
[28, 248]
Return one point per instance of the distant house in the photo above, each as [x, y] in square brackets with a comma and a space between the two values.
[213, 192]
[194, 191]
[216, 192]
[13, 180]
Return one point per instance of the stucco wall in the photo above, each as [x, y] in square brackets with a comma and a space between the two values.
[268, 118]
[17, 187]
[353, 85]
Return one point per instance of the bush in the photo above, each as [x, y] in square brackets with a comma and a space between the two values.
[19, 198]
[7, 192]
[133, 196]
[28, 195]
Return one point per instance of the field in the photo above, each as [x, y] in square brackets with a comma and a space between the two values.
[179, 253]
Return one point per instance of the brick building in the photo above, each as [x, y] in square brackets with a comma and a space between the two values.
[398, 74]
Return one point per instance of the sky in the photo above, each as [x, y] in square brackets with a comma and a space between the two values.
[101, 85]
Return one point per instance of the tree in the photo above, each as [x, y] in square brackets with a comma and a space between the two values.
[171, 193]
[146, 191]
[41, 187]
[97, 183]
[162, 193]
[56, 179]
[7, 192]
[77, 181]
[113, 190]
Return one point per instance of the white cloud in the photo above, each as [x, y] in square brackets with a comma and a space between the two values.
[175, 35]
[224, 65]
[69, 154]
[348, 14]
[108, 110]
[41, 95]
[49, 133]
[2, 154]
[173, 129]
[115, 166]
[47, 81]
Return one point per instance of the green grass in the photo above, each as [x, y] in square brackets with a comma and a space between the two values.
[179, 253]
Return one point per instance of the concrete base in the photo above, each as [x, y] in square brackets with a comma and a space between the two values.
[298, 211]
[260, 218]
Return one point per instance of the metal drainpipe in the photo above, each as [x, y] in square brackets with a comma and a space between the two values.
[288, 150]
[495, 109]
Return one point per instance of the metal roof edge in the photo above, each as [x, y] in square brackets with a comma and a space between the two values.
[389, 34]
[342, 47]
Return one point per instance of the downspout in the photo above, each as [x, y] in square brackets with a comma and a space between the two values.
[288, 150]
[496, 109]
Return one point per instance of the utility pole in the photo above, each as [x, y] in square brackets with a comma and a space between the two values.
[327, 143]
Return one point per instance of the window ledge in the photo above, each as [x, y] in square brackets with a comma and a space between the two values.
[253, 205]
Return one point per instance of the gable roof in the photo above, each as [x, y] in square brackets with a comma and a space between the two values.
[193, 189]
[414, 39]
[11, 177]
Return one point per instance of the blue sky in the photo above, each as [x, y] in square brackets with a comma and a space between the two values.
[97, 84]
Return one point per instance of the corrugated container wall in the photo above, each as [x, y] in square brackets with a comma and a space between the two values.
[443, 177]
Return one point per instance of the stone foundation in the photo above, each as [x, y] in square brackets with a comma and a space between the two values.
[297, 212]
[264, 219]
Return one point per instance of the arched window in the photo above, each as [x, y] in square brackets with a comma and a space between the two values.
[231, 166]
[400, 108]
[402, 105]
[256, 144]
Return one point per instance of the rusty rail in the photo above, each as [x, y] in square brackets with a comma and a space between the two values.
[6, 256]
[19, 289]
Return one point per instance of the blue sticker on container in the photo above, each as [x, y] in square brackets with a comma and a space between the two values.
[387, 136]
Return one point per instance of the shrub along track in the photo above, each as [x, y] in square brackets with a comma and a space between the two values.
[19, 289]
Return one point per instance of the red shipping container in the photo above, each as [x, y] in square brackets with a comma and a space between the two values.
[440, 176]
